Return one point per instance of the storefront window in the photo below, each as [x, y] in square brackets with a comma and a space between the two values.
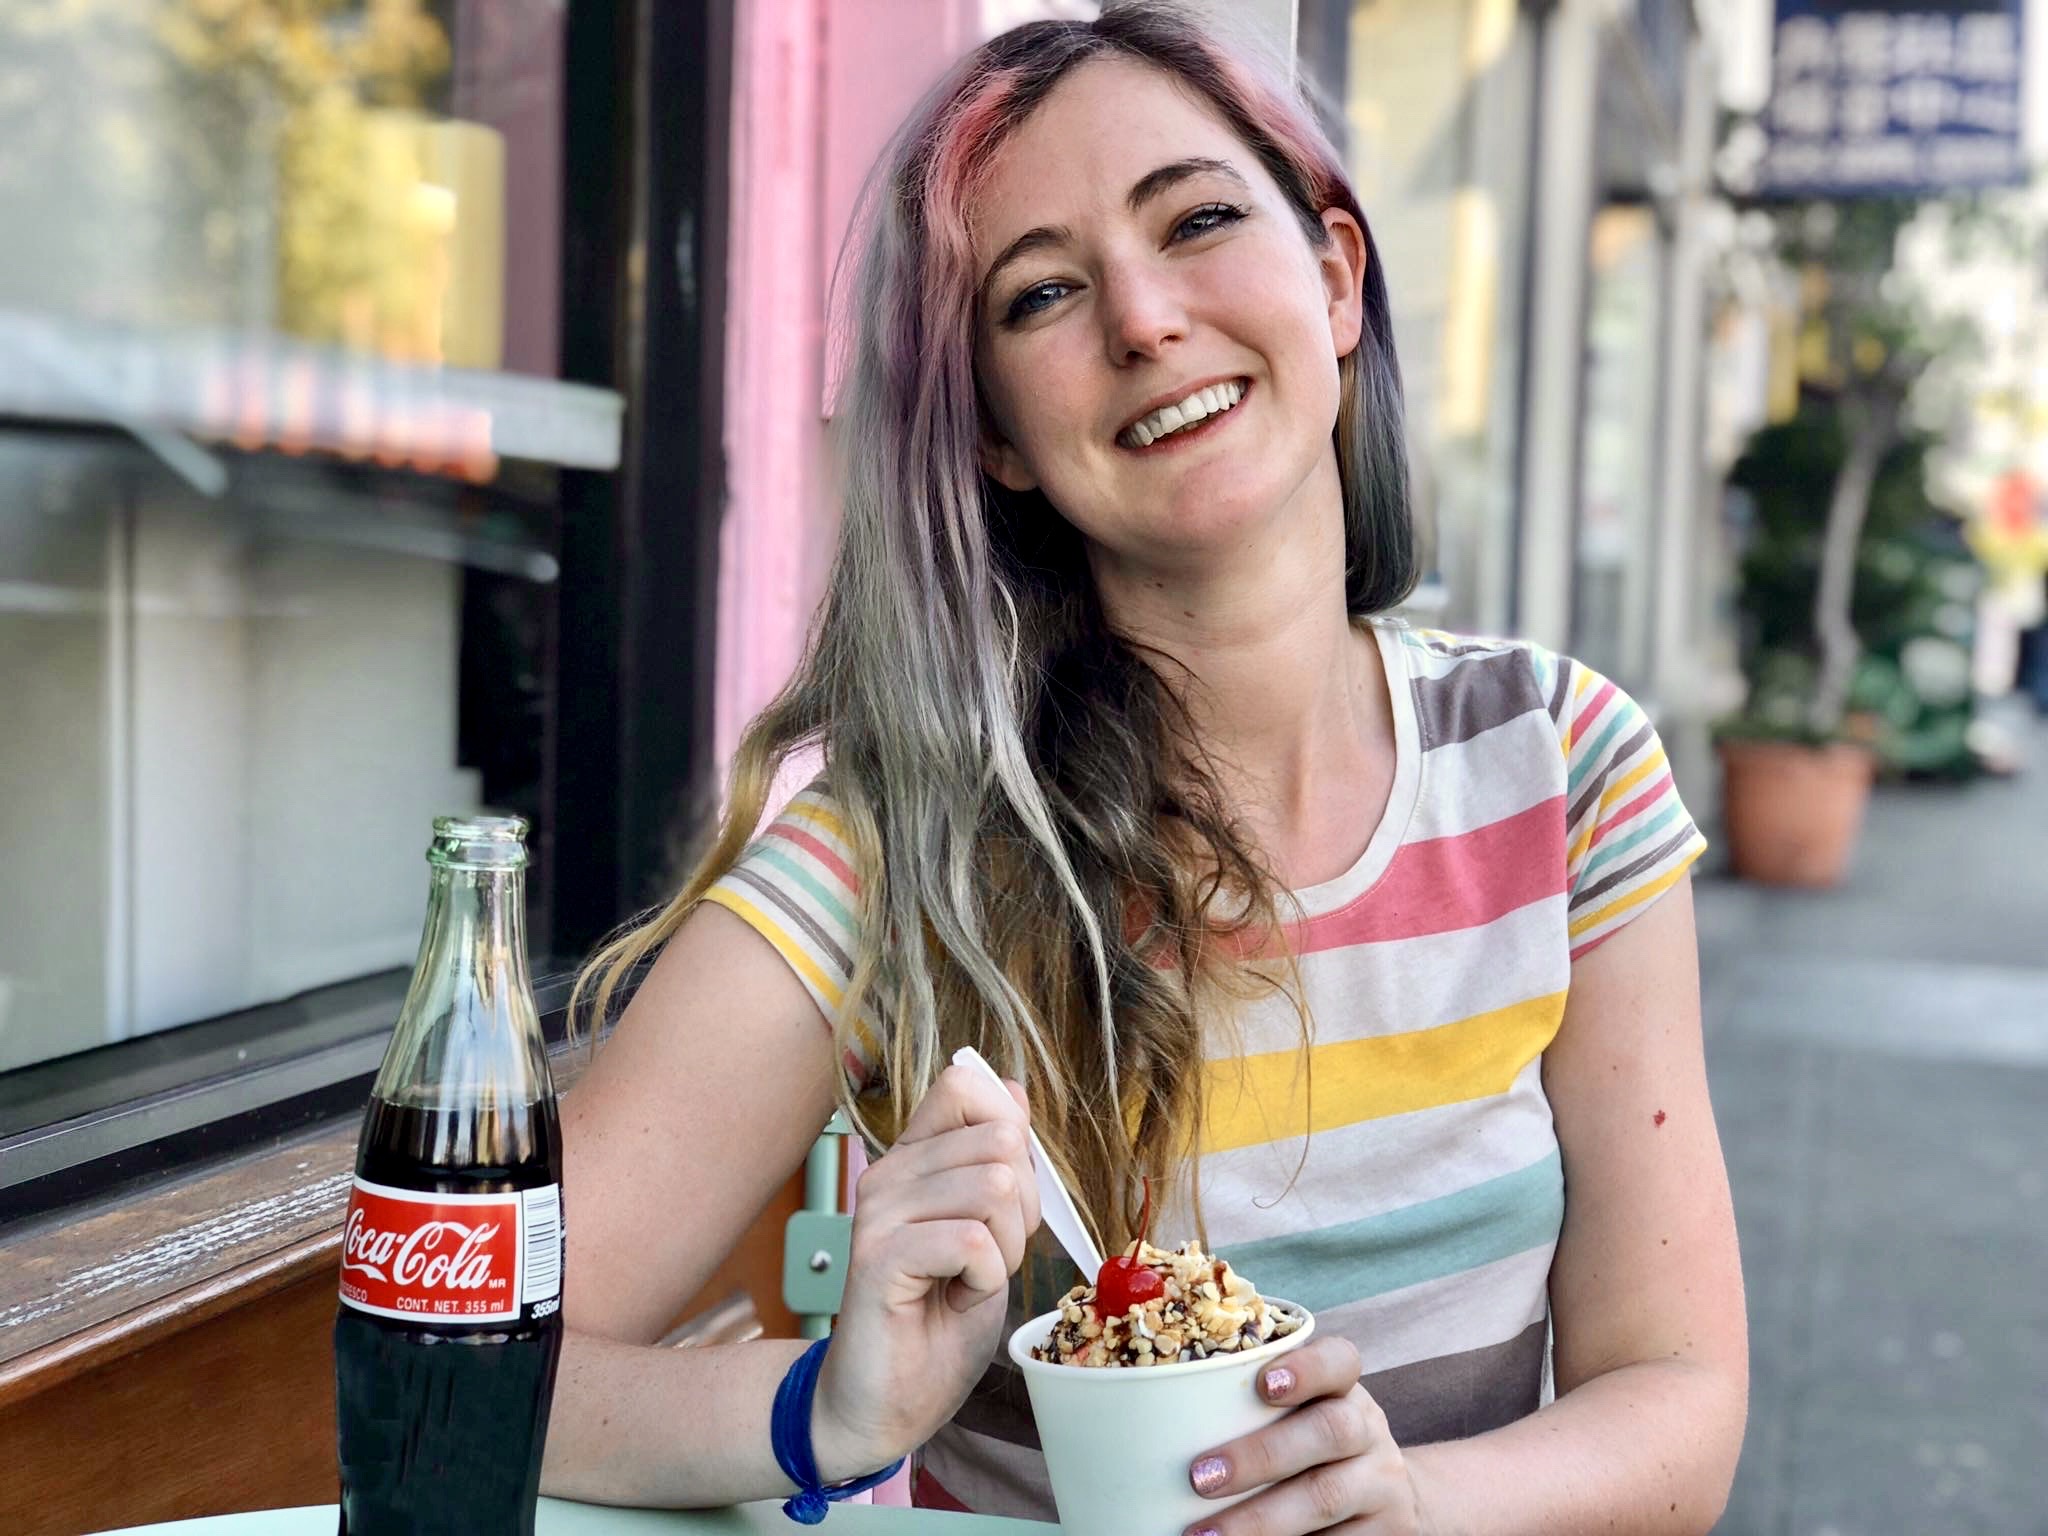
[1434, 106]
[279, 309]
[231, 720]
[1617, 525]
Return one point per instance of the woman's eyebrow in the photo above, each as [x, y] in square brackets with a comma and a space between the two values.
[1044, 237]
[1152, 183]
[1143, 190]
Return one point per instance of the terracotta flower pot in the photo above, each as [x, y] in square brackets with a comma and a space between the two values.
[1792, 812]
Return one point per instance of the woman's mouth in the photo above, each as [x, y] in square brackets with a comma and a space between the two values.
[1196, 415]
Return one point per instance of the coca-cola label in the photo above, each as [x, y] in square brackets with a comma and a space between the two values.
[448, 1257]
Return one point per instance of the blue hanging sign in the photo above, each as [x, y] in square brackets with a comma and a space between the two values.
[1876, 97]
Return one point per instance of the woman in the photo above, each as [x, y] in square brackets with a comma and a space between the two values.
[1371, 949]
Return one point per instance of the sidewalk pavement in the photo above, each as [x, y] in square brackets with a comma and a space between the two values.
[1879, 1062]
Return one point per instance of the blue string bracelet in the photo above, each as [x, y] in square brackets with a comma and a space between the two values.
[789, 1431]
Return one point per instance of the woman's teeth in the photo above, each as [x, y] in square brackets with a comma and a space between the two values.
[1169, 419]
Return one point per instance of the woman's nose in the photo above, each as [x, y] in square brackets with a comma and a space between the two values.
[1142, 315]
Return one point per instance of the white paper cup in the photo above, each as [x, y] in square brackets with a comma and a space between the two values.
[1119, 1443]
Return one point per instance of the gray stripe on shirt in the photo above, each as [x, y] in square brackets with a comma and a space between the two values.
[1453, 1397]
[1598, 786]
[1474, 696]
[1629, 871]
[785, 903]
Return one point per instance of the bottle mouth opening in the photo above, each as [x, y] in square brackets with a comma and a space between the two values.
[478, 842]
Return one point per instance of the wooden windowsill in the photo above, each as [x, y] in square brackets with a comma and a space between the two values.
[82, 1285]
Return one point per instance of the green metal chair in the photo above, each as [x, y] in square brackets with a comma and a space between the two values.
[816, 1243]
[817, 1239]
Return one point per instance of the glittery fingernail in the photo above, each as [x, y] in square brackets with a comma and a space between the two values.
[1208, 1475]
[1279, 1382]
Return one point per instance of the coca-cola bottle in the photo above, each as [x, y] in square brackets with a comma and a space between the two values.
[451, 1270]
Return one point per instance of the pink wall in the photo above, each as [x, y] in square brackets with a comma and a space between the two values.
[818, 87]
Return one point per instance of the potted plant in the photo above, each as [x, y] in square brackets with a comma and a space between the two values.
[1835, 491]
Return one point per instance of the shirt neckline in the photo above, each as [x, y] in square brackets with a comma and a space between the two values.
[1328, 895]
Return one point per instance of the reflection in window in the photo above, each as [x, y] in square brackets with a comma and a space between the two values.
[334, 170]
[229, 724]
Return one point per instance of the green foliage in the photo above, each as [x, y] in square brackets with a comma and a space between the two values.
[1914, 585]
[1867, 648]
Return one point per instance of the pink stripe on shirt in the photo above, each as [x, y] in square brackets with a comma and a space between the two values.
[1444, 884]
[820, 850]
[1583, 721]
[1621, 818]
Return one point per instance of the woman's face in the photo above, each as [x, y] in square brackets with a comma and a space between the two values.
[1135, 255]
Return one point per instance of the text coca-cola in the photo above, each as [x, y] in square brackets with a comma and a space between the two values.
[449, 1327]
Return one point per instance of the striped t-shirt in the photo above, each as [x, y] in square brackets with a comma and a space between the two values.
[1532, 815]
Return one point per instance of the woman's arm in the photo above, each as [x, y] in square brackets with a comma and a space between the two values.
[706, 1097]
[691, 1115]
[1652, 1362]
[1646, 1297]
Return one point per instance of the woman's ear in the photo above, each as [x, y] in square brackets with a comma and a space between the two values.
[1342, 262]
[1003, 464]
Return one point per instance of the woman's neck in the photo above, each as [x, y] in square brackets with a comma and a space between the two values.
[1288, 696]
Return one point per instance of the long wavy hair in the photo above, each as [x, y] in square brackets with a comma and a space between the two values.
[1050, 872]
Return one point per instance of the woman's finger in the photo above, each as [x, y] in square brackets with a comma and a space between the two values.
[1023, 1159]
[1323, 1498]
[960, 1255]
[983, 1192]
[892, 1189]
[1323, 1367]
[991, 1141]
[960, 1096]
[1328, 1430]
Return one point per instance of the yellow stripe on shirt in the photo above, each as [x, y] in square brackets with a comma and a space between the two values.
[818, 816]
[1615, 791]
[1631, 779]
[1636, 897]
[1269, 1097]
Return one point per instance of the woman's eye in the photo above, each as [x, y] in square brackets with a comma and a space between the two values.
[1203, 220]
[1034, 300]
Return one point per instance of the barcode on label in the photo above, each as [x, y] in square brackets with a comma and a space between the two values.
[541, 1216]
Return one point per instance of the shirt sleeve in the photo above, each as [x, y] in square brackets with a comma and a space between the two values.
[1628, 837]
[797, 887]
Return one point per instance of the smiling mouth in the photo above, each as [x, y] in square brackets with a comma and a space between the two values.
[1190, 417]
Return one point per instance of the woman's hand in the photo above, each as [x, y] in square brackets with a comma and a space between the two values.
[1331, 1462]
[939, 1226]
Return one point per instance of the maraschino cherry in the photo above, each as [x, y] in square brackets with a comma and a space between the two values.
[1124, 1282]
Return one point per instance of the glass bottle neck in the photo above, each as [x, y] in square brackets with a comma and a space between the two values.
[468, 1033]
[476, 927]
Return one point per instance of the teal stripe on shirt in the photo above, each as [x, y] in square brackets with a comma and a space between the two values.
[1625, 718]
[1330, 1266]
[1649, 829]
[767, 853]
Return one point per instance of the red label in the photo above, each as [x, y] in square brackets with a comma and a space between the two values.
[435, 1256]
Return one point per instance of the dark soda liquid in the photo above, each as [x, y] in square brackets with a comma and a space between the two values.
[442, 1426]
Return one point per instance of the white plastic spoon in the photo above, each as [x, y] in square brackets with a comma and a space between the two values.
[1054, 1203]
